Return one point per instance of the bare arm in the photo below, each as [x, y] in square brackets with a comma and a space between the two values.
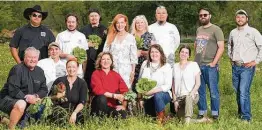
[219, 53]
[197, 84]
[14, 53]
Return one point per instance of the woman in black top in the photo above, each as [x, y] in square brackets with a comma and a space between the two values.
[75, 92]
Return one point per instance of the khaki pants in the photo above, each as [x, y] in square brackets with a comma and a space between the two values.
[186, 104]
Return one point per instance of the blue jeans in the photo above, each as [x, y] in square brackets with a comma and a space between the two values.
[26, 116]
[161, 99]
[156, 103]
[242, 78]
[209, 77]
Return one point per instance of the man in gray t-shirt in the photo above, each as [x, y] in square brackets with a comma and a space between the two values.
[209, 47]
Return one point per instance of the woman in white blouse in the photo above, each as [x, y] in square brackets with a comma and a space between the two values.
[186, 84]
[122, 45]
[156, 68]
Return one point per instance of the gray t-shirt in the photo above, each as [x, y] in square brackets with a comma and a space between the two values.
[206, 43]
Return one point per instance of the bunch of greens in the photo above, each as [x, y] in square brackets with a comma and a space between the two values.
[139, 42]
[130, 96]
[95, 40]
[144, 85]
[80, 54]
[46, 102]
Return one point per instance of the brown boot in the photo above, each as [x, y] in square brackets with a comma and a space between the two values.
[160, 117]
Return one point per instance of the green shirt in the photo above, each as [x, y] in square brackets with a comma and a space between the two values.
[206, 43]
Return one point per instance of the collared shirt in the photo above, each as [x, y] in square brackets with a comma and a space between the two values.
[245, 45]
[29, 36]
[111, 82]
[52, 70]
[168, 37]
[22, 81]
[68, 40]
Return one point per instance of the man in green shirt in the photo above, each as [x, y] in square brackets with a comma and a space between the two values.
[209, 47]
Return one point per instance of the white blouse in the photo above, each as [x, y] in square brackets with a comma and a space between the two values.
[185, 79]
[163, 75]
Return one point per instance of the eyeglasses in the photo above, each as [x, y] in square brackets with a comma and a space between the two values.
[201, 15]
[35, 15]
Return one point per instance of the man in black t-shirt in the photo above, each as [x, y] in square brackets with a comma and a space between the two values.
[31, 35]
[94, 28]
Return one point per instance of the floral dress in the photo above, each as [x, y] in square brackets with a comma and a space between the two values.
[147, 37]
[124, 55]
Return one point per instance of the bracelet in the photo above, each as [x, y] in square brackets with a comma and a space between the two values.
[36, 95]
[113, 95]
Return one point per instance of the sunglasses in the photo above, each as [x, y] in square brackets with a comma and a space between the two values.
[35, 15]
[203, 15]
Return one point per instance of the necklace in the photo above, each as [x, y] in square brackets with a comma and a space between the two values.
[154, 67]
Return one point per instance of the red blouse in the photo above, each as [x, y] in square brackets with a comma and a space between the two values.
[111, 82]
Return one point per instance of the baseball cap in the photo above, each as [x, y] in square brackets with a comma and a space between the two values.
[241, 11]
[54, 44]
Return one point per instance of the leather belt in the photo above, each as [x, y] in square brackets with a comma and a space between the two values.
[238, 63]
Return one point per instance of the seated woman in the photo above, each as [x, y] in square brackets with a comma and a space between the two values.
[186, 84]
[156, 68]
[75, 92]
[108, 88]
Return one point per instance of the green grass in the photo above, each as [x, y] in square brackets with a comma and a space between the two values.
[228, 111]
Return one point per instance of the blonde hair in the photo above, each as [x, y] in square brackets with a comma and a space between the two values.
[133, 30]
[112, 31]
[99, 58]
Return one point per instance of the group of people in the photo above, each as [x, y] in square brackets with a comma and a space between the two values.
[116, 66]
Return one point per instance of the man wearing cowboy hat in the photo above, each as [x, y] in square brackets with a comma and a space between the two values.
[32, 35]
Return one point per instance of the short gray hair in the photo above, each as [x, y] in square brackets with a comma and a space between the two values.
[160, 7]
[32, 49]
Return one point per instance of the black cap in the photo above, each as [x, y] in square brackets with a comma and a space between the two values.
[91, 10]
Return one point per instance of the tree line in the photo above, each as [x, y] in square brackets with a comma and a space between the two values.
[184, 14]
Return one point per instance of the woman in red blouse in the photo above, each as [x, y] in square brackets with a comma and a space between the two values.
[108, 88]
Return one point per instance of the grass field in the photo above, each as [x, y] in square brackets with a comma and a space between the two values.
[228, 110]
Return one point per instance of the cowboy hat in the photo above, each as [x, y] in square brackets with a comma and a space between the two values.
[36, 8]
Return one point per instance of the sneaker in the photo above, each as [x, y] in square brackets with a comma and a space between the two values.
[200, 116]
[187, 120]
[215, 117]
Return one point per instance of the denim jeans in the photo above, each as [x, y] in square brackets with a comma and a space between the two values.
[209, 77]
[157, 103]
[242, 78]
[26, 117]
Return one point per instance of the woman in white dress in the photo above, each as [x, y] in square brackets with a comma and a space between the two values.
[122, 45]
[186, 84]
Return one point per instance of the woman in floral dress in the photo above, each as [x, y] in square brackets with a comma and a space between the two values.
[122, 45]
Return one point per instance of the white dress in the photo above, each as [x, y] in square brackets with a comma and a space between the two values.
[124, 55]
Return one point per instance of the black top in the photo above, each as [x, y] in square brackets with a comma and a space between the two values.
[22, 81]
[29, 36]
[78, 93]
[100, 31]
[92, 53]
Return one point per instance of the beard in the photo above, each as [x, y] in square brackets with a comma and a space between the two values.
[160, 22]
[71, 29]
[204, 21]
[241, 24]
